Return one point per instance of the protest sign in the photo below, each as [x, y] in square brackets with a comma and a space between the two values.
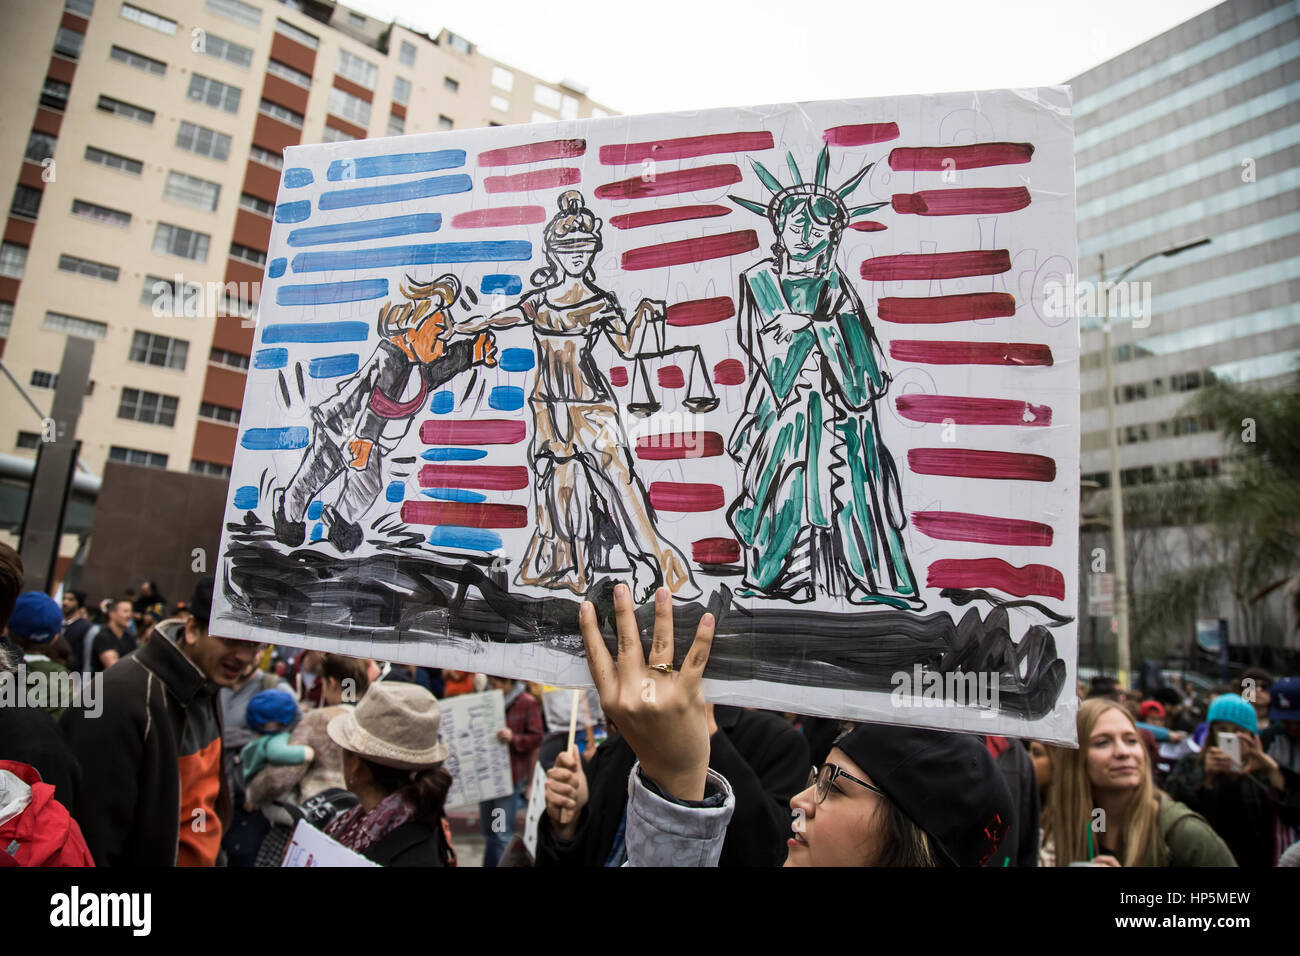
[536, 807]
[813, 367]
[311, 847]
[478, 762]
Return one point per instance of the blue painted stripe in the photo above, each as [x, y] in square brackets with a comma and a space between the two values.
[246, 497]
[395, 492]
[517, 360]
[298, 211]
[454, 494]
[327, 293]
[298, 176]
[504, 284]
[506, 398]
[277, 267]
[396, 192]
[316, 332]
[332, 366]
[317, 531]
[364, 167]
[275, 439]
[453, 454]
[492, 250]
[443, 402]
[366, 229]
[468, 539]
[314, 509]
[271, 358]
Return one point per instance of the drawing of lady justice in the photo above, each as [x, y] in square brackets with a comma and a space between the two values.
[584, 479]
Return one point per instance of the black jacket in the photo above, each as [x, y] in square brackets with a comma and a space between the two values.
[412, 844]
[1020, 844]
[763, 758]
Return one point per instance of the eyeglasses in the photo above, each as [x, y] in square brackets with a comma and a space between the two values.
[828, 774]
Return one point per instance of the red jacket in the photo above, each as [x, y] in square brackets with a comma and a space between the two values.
[524, 718]
[43, 834]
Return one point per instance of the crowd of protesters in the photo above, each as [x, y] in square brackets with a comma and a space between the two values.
[202, 750]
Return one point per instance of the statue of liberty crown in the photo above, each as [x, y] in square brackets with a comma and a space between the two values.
[815, 189]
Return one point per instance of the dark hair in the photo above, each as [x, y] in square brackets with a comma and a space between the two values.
[11, 582]
[427, 790]
[1262, 678]
[906, 844]
[347, 668]
[78, 596]
[573, 216]
[822, 210]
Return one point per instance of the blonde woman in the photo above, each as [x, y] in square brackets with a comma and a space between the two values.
[1104, 810]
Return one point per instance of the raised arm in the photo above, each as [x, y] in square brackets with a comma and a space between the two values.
[507, 318]
[628, 335]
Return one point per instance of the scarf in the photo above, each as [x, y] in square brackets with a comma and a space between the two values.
[357, 830]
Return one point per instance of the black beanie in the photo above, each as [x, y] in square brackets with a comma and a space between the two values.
[945, 783]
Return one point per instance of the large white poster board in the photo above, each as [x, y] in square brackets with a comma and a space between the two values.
[812, 366]
[478, 762]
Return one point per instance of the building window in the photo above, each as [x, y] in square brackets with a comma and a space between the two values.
[147, 19]
[450, 85]
[87, 267]
[351, 108]
[118, 108]
[26, 203]
[356, 20]
[406, 54]
[6, 318]
[176, 241]
[503, 79]
[396, 125]
[135, 456]
[203, 141]
[39, 146]
[500, 104]
[169, 297]
[545, 96]
[357, 70]
[113, 161]
[219, 413]
[54, 94]
[299, 36]
[211, 469]
[204, 89]
[245, 13]
[159, 350]
[90, 210]
[444, 122]
[148, 407]
[285, 72]
[266, 157]
[401, 90]
[598, 113]
[254, 204]
[138, 60]
[71, 325]
[28, 440]
[459, 43]
[192, 191]
[540, 117]
[228, 50]
[68, 43]
[13, 259]
[80, 7]
[332, 135]
[281, 113]
[229, 359]
[247, 254]
[41, 379]
[569, 108]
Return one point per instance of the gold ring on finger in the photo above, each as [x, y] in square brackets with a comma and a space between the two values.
[662, 668]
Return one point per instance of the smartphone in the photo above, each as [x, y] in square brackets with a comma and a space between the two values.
[1230, 744]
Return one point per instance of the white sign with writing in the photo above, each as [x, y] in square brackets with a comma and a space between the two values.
[479, 763]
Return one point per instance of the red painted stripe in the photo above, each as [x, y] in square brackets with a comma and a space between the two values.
[487, 431]
[671, 183]
[671, 446]
[862, 134]
[552, 178]
[961, 202]
[970, 353]
[972, 410]
[500, 216]
[485, 477]
[935, 158]
[867, 225]
[715, 551]
[701, 311]
[686, 496]
[468, 515]
[671, 376]
[690, 250]
[618, 376]
[1036, 579]
[937, 265]
[977, 463]
[533, 152]
[982, 529]
[654, 217]
[931, 309]
[729, 372]
[684, 148]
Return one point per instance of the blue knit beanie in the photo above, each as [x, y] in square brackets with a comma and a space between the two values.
[271, 706]
[1233, 709]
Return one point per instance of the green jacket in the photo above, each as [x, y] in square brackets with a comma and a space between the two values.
[1187, 839]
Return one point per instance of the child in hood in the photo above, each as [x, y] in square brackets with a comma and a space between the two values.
[272, 714]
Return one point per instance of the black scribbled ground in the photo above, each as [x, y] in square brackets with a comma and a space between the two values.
[409, 592]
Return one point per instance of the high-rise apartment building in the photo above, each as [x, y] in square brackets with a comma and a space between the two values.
[143, 144]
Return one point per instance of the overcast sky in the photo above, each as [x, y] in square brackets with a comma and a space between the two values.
[647, 56]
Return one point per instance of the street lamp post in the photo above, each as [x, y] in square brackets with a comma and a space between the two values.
[1119, 558]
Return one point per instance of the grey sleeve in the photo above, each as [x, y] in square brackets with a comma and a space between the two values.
[661, 832]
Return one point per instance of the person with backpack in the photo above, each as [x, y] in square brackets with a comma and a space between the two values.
[35, 828]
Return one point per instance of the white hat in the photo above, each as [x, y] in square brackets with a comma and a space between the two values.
[395, 724]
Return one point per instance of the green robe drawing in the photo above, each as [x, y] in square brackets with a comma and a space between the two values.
[820, 509]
